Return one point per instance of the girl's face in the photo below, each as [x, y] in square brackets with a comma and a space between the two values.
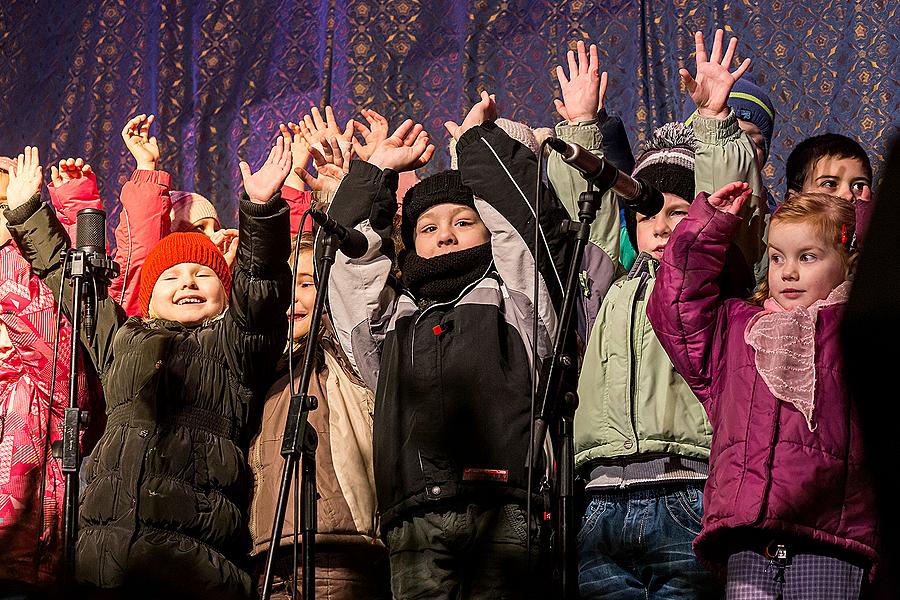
[189, 293]
[803, 267]
[446, 228]
[653, 232]
[844, 177]
[207, 226]
[304, 295]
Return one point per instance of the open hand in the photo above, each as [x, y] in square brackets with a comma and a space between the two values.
[70, 169]
[143, 147]
[710, 88]
[331, 167]
[263, 184]
[294, 139]
[316, 130]
[226, 240]
[731, 197]
[484, 111]
[25, 179]
[406, 149]
[585, 87]
[374, 134]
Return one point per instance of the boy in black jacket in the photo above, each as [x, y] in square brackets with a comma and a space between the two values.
[449, 353]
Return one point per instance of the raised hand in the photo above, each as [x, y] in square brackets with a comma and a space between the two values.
[585, 87]
[374, 134]
[226, 240]
[331, 167]
[730, 198]
[143, 148]
[299, 152]
[263, 184]
[317, 130]
[710, 88]
[70, 169]
[25, 180]
[484, 111]
[406, 149]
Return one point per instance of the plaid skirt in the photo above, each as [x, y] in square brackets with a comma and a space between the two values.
[752, 576]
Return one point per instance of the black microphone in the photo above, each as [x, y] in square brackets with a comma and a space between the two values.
[350, 241]
[90, 242]
[637, 194]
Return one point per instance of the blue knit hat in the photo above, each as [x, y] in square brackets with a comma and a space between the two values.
[751, 103]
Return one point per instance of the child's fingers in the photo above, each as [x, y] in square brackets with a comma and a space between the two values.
[729, 52]
[79, 162]
[245, 170]
[318, 157]
[87, 169]
[304, 175]
[348, 130]
[604, 81]
[427, 155]
[561, 109]
[561, 76]
[362, 128]
[410, 138]
[451, 128]
[330, 121]
[700, 48]
[741, 69]
[404, 127]
[716, 54]
[317, 119]
[594, 59]
[582, 58]
[308, 122]
[54, 175]
[573, 66]
[689, 82]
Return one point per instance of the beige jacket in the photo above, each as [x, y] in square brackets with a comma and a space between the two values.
[344, 473]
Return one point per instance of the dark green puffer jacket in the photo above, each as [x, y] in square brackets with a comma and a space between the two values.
[168, 483]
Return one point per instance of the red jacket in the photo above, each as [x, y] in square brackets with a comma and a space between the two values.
[767, 470]
[299, 201]
[27, 332]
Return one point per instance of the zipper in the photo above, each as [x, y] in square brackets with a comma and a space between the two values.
[632, 359]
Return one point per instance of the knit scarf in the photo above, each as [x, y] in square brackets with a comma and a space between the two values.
[785, 345]
[443, 277]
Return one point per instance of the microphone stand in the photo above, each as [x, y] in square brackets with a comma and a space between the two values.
[301, 441]
[560, 400]
[80, 267]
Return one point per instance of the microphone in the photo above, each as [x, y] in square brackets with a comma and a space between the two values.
[350, 241]
[637, 194]
[90, 243]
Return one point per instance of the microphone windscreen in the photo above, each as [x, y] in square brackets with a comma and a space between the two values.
[90, 230]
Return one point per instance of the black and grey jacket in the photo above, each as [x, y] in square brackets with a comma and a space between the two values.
[452, 380]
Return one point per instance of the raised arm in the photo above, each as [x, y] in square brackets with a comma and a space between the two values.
[72, 187]
[255, 324]
[583, 92]
[724, 152]
[685, 305]
[42, 239]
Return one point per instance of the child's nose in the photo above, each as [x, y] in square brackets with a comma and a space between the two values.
[447, 236]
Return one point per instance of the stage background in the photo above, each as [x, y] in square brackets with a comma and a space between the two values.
[220, 75]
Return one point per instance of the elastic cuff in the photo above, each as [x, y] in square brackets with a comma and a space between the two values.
[711, 131]
[586, 133]
[473, 135]
[18, 216]
[268, 209]
[156, 177]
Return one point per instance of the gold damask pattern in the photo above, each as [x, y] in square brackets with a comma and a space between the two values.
[220, 75]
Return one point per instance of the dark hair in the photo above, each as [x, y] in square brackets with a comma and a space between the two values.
[810, 151]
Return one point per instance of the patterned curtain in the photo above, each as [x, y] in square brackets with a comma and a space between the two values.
[221, 74]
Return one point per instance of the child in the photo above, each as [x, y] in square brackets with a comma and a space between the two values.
[449, 353]
[31, 524]
[789, 505]
[641, 436]
[351, 562]
[831, 164]
[167, 484]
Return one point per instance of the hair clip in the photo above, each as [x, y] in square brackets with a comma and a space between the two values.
[844, 238]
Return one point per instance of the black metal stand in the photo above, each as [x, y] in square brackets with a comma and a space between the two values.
[560, 400]
[77, 269]
[301, 441]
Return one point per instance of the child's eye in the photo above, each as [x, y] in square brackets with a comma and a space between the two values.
[678, 213]
[463, 223]
[307, 284]
[828, 183]
[807, 257]
[428, 229]
[643, 218]
[859, 186]
[775, 258]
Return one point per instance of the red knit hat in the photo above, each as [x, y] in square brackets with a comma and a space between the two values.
[176, 248]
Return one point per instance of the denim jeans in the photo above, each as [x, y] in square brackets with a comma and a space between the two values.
[477, 552]
[636, 543]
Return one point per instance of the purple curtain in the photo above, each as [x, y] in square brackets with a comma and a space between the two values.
[220, 75]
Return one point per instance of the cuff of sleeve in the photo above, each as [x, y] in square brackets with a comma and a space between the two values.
[361, 169]
[269, 209]
[713, 131]
[473, 135]
[18, 215]
[726, 223]
[161, 178]
[585, 133]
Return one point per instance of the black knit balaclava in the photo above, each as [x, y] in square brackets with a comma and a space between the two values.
[441, 188]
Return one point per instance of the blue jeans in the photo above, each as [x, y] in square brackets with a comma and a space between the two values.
[637, 544]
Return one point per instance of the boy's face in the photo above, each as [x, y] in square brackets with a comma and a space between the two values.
[844, 177]
[446, 228]
[189, 293]
[304, 295]
[759, 141]
[206, 226]
[803, 267]
[653, 232]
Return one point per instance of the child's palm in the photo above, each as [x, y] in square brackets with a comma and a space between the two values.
[25, 182]
[263, 184]
[731, 197]
[712, 85]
